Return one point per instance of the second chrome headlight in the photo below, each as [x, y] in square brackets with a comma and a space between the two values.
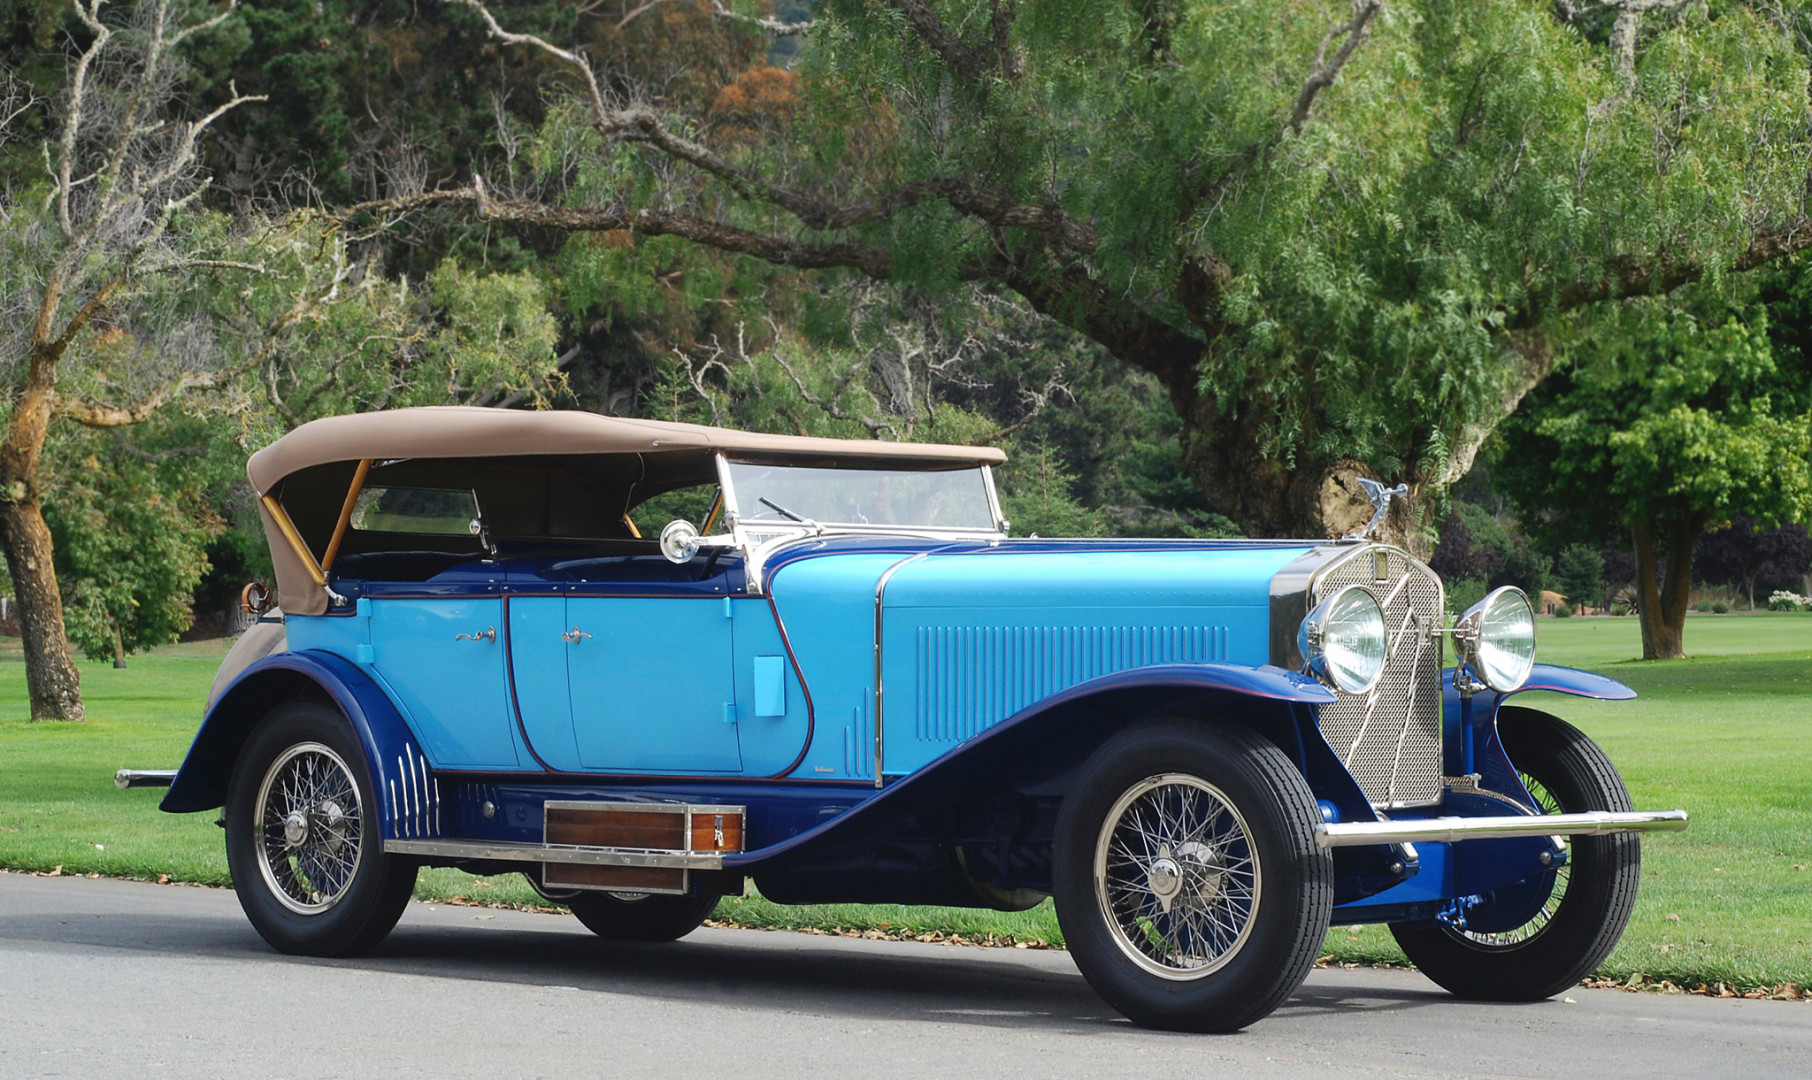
[1496, 639]
[1343, 640]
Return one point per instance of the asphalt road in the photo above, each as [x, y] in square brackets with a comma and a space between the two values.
[107, 978]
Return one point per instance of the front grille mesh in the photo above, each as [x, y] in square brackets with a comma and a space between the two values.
[1390, 739]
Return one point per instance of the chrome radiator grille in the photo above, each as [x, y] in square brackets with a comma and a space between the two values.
[1390, 739]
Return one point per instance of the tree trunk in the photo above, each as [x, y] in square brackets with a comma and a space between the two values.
[51, 677]
[119, 647]
[1317, 499]
[1663, 603]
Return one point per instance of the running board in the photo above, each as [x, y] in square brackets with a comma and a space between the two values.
[1450, 830]
[503, 851]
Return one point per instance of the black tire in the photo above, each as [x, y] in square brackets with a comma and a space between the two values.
[642, 916]
[1585, 905]
[1247, 862]
[302, 896]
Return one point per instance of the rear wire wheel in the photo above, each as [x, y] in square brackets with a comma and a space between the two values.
[633, 916]
[304, 843]
[1587, 901]
[1188, 883]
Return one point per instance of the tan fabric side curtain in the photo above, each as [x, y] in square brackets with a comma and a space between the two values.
[297, 591]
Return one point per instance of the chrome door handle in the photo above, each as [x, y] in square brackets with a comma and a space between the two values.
[489, 633]
[574, 635]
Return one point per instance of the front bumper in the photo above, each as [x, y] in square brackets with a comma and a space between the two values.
[1450, 830]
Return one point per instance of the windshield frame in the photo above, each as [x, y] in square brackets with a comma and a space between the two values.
[760, 539]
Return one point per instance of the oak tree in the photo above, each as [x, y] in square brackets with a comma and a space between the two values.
[1343, 235]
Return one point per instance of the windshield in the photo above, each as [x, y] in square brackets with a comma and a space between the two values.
[786, 494]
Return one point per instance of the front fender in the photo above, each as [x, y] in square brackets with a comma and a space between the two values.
[408, 794]
[1471, 722]
[1036, 746]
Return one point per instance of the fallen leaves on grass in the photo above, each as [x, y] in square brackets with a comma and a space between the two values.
[1644, 984]
[1329, 961]
[466, 901]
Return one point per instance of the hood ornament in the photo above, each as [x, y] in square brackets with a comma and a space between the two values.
[1380, 497]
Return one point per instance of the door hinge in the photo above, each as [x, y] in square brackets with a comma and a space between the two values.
[729, 712]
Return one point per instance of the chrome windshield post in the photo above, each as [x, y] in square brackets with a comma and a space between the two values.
[1000, 518]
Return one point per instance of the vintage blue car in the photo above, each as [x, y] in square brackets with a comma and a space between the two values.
[503, 646]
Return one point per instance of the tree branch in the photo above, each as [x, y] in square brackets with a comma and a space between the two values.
[772, 27]
[965, 61]
[97, 415]
[871, 261]
[1326, 71]
[1625, 276]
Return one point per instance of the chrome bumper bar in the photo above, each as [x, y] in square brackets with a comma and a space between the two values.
[1449, 830]
[504, 851]
[131, 778]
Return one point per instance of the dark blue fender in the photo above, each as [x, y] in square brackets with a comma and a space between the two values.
[408, 794]
[1035, 747]
[1470, 735]
[1481, 867]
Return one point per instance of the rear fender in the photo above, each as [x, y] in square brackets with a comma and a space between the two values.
[1036, 749]
[408, 793]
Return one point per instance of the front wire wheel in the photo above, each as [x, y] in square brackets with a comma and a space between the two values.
[1176, 869]
[1579, 910]
[1188, 883]
[1561, 875]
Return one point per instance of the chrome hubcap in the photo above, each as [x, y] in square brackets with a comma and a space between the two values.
[1177, 876]
[310, 836]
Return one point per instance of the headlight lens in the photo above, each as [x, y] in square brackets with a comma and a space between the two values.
[1343, 640]
[1496, 639]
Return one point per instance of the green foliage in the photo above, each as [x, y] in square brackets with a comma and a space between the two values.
[1462, 593]
[131, 546]
[1579, 574]
[1035, 493]
[1563, 611]
[325, 336]
[1661, 416]
[1363, 285]
[1479, 546]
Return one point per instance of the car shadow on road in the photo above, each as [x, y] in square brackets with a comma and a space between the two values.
[787, 972]
[746, 969]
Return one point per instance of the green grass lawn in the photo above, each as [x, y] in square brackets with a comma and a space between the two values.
[1723, 734]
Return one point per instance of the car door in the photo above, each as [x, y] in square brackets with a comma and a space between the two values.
[443, 659]
[650, 683]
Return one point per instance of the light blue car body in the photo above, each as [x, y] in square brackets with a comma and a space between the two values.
[861, 688]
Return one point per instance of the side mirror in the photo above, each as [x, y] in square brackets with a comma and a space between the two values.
[679, 541]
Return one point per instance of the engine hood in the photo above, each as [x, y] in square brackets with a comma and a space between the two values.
[935, 643]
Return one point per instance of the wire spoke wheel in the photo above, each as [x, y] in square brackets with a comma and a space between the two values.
[1557, 893]
[310, 828]
[1177, 876]
[1539, 935]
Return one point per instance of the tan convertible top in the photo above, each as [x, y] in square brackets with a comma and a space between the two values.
[465, 432]
[457, 431]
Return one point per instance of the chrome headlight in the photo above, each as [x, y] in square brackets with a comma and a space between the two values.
[1343, 640]
[1496, 639]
